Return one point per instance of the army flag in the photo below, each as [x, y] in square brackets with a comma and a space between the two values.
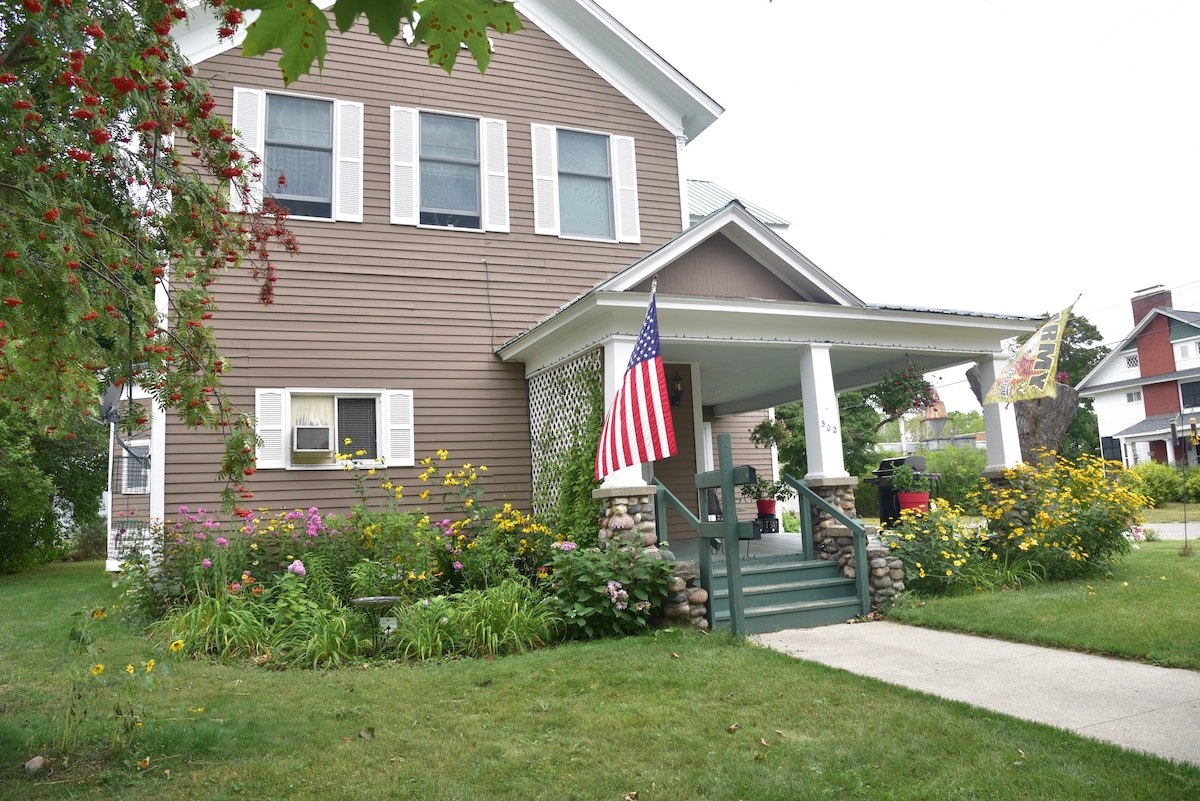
[1031, 372]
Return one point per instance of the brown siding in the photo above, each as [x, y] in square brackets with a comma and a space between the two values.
[720, 269]
[679, 472]
[375, 305]
[738, 427]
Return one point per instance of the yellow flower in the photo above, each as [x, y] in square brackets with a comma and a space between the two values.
[371, 472]
[97, 669]
[99, 614]
[129, 669]
[443, 454]
[150, 666]
[175, 646]
[425, 495]
[346, 441]
[195, 709]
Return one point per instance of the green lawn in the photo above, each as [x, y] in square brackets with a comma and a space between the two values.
[653, 714]
[1144, 609]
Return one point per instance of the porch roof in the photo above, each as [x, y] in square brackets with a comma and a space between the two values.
[746, 347]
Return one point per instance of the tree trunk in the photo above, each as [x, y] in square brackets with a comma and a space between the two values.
[1041, 423]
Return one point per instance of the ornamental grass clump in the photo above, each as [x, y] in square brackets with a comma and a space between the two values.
[1067, 518]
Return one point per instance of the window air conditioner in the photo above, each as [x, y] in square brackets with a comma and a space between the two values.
[312, 439]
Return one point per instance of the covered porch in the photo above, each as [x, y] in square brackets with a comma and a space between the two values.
[746, 322]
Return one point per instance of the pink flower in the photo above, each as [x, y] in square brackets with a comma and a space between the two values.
[224, 543]
[206, 564]
[296, 567]
[458, 567]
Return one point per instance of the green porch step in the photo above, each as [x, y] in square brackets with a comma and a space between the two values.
[787, 593]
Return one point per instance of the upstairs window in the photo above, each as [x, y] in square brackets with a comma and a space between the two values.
[585, 201]
[449, 171]
[311, 150]
[298, 160]
[1131, 361]
[584, 185]
[1189, 395]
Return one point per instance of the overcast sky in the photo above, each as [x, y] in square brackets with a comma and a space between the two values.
[1002, 156]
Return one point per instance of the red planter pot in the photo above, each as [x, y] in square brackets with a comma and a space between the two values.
[766, 507]
[913, 500]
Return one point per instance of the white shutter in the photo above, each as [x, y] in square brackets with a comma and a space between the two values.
[269, 419]
[404, 166]
[398, 417]
[495, 175]
[545, 180]
[625, 190]
[348, 161]
[249, 120]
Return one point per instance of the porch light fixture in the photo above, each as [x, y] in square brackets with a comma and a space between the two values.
[676, 389]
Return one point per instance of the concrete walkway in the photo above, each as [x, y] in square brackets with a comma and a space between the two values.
[1135, 706]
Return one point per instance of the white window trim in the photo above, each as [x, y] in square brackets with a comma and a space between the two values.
[394, 436]
[405, 170]
[622, 157]
[250, 121]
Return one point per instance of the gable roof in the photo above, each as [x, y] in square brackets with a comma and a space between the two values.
[585, 29]
[1085, 386]
[739, 343]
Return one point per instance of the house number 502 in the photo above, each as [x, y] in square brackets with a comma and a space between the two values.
[830, 427]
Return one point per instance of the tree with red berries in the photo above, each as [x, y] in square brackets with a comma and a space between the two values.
[115, 218]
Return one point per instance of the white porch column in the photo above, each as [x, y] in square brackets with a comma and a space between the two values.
[999, 421]
[616, 358]
[822, 422]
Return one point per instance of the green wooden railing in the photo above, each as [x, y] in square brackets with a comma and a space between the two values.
[730, 530]
[809, 499]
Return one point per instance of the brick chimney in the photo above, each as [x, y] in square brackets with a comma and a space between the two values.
[1148, 299]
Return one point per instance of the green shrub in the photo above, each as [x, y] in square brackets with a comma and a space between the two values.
[1193, 486]
[601, 593]
[1067, 517]
[960, 470]
[1161, 483]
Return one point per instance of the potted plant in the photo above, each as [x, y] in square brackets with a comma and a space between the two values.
[767, 493]
[912, 490]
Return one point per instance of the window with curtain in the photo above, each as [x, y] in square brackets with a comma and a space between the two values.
[298, 156]
[450, 171]
[585, 194]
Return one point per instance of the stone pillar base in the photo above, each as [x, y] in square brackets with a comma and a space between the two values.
[628, 517]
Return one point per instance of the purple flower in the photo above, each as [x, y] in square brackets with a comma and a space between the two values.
[183, 510]
[296, 567]
[564, 546]
[224, 543]
[206, 564]
[458, 567]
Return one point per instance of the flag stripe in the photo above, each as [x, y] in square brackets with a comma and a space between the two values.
[639, 427]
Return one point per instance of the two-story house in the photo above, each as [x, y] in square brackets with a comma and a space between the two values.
[1149, 381]
[472, 246]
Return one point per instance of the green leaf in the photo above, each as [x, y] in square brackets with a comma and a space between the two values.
[383, 16]
[296, 28]
[445, 24]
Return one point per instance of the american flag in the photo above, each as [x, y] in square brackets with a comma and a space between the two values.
[638, 427]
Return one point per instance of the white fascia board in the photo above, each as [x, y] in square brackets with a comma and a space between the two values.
[597, 316]
[597, 39]
[197, 35]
